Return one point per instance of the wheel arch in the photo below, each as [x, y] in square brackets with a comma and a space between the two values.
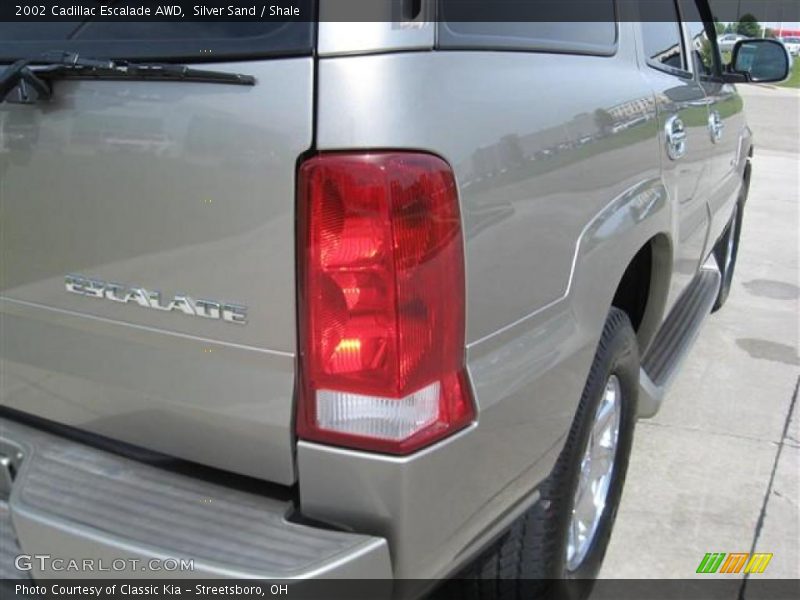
[626, 260]
[643, 289]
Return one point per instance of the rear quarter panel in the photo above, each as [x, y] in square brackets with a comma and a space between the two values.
[559, 181]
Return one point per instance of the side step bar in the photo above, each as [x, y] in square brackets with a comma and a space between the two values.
[675, 338]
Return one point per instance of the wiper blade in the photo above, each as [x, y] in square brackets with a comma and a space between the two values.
[36, 73]
[68, 64]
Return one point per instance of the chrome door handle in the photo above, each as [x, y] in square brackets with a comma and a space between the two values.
[676, 137]
[715, 126]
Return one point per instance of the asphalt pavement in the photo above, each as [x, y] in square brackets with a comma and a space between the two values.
[718, 469]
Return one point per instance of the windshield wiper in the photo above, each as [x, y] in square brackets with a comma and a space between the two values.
[37, 73]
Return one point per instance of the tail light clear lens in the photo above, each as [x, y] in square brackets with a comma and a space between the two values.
[381, 302]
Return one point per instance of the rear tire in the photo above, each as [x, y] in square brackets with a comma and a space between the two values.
[530, 559]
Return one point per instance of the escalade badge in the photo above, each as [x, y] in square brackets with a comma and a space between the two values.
[124, 294]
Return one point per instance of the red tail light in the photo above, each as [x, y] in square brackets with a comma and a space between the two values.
[381, 302]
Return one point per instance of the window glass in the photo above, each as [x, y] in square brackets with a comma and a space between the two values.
[156, 40]
[529, 25]
[661, 34]
[595, 34]
[700, 46]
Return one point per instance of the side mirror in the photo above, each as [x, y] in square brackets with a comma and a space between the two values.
[759, 61]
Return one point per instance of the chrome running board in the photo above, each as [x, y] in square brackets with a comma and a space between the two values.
[676, 337]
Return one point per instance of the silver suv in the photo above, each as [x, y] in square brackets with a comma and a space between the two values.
[353, 300]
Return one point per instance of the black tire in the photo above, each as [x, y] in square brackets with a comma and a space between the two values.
[726, 252]
[529, 560]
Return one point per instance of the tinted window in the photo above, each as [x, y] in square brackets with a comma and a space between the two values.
[701, 46]
[661, 34]
[529, 25]
[186, 40]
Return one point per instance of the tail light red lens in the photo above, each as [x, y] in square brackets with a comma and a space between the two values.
[381, 302]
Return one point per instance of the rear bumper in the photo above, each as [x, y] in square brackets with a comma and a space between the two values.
[71, 501]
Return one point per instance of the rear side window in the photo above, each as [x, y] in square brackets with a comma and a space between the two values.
[185, 41]
[530, 26]
[661, 36]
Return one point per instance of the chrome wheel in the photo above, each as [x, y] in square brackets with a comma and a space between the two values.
[594, 481]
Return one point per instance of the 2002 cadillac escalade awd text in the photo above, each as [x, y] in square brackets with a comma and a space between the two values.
[354, 300]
